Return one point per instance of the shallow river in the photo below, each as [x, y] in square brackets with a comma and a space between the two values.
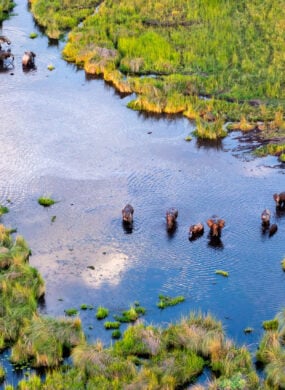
[73, 138]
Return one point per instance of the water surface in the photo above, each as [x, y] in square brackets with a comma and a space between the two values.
[73, 138]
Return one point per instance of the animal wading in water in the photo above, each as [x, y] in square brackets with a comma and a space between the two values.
[127, 214]
[279, 199]
[265, 218]
[171, 216]
[216, 227]
[273, 229]
[196, 231]
[28, 59]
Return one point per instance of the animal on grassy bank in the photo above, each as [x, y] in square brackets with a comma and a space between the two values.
[171, 216]
[196, 231]
[216, 226]
[265, 218]
[279, 199]
[127, 214]
[28, 60]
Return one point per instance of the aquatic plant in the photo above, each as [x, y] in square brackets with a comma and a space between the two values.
[71, 312]
[102, 312]
[270, 149]
[270, 324]
[112, 324]
[46, 201]
[116, 334]
[3, 210]
[50, 67]
[130, 315]
[84, 306]
[221, 272]
[165, 301]
[33, 35]
[209, 130]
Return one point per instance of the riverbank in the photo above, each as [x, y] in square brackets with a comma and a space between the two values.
[213, 63]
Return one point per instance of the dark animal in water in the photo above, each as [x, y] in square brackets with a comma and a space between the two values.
[4, 39]
[216, 227]
[127, 213]
[273, 229]
[279, 199]
[171, 216]
[196, 231]
[28, 59]
[6, 58]
[265, 218]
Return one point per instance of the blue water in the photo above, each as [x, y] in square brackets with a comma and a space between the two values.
[72, 137]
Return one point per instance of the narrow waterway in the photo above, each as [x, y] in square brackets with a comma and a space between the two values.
[73, 138]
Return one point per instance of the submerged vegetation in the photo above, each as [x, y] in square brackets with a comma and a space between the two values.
[216, 61]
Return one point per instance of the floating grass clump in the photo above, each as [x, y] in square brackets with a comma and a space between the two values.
[165, 301]
[209, 130]
[116, 334]
[248, 330]
[112, 324]
[33, 35]
[71, 312]
[46, 201]
[102, 312]
[221, 272]
[3, 210]
[84, 306]
[131, 315]
[50, 67]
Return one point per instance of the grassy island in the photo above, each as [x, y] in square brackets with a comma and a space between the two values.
[212, 61]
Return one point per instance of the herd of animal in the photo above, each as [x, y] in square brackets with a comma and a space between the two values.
[7, 57]
[215, 225]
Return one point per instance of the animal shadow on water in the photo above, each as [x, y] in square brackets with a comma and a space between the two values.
[127, 227]
[215, 242]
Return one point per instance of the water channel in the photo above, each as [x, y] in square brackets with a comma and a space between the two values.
[72, 137]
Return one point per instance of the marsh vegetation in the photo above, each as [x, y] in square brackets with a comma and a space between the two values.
[174, 54]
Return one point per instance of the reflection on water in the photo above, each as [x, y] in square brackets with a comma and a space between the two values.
[71, 137]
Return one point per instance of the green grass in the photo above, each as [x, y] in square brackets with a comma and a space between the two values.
[270, 324]
[6, 6]
[33, 35]
[228, 52]
[2, 373]
[165, 301]
[221, 272]
[71, 312]
[46, 201]
[112, 324]
[102, 312]
[131, 315]
[3, 210]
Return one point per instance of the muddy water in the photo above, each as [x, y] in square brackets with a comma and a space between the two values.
[73, 138]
